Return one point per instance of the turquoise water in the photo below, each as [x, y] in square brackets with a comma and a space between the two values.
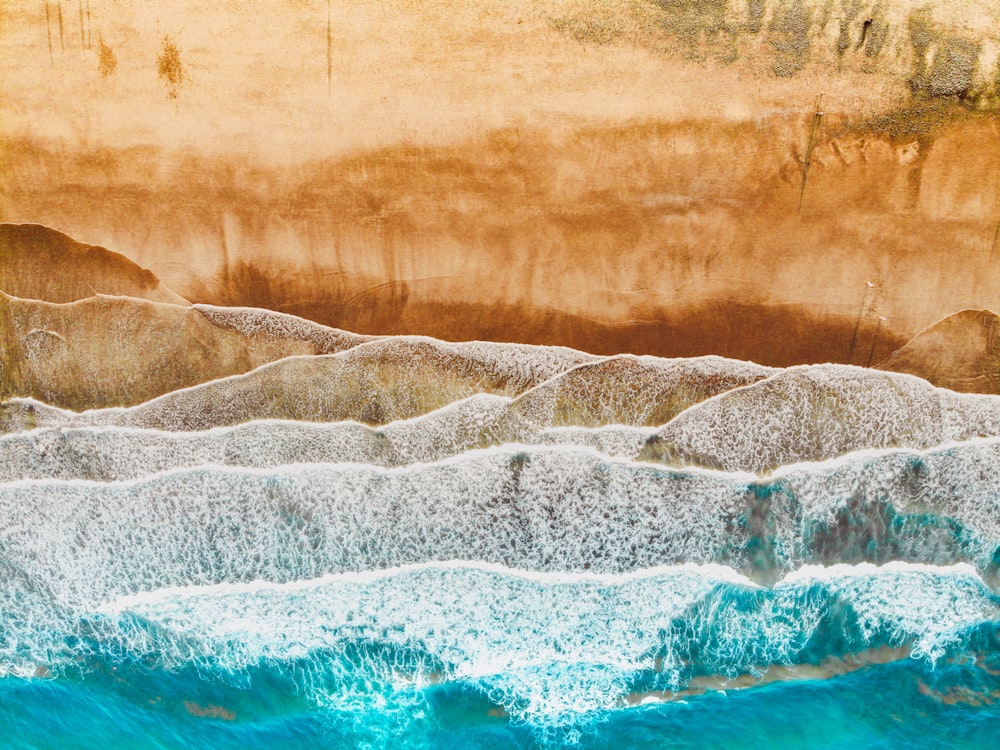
[462, 655]
[515, 597]
[902, 704]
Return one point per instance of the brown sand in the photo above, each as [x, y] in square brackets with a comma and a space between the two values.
[630, 175]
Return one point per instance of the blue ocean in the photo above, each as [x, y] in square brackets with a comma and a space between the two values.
[466, 584]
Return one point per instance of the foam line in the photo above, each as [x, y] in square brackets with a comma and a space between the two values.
[712, 573]
[549, 509]
[819, 412]
[545, 647]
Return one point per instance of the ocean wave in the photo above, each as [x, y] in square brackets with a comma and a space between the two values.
[403, 377]
[539, 508]
[114, 453]
[503, 540]
[800, 414]
[544, 647]
[817, 412]
[58, 353]
[374, 382]
[635, 391]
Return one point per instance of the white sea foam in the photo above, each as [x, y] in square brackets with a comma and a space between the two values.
[255, 322]
[394, 378]
[818, 412]
[630, 390]
[545, 646]
[112, 453]
[614, 440]
[555, 577]
[539, 508]
[953, 482]
[375, 382]
[926, 604]
[711, 572]
[549, 508]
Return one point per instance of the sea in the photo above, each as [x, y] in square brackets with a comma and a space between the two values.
[800, 565]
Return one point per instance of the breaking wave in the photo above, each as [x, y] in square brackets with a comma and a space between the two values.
[545, 648]
[418, 544]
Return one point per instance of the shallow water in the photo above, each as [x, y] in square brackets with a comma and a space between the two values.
[217, 589]
[901, 704]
